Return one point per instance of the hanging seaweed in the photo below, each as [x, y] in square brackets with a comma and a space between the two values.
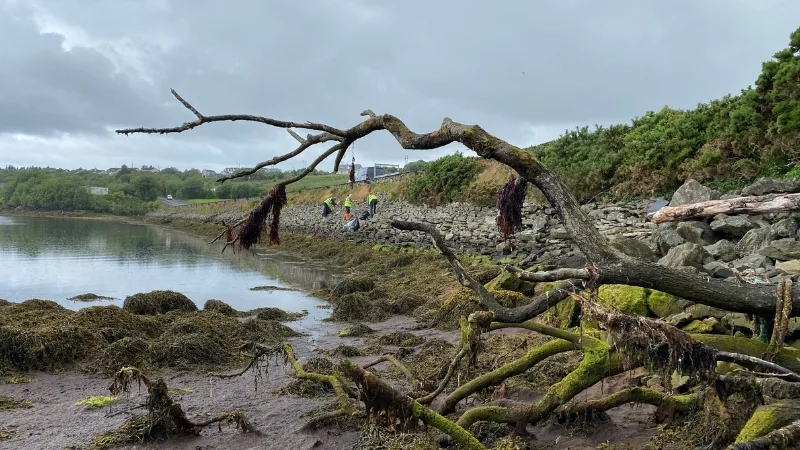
[256, 223]
[353, 172]
[509, 206]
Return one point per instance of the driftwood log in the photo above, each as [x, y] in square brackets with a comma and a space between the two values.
[775, 203]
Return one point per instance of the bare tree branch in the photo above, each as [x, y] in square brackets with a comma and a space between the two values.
[553, 275]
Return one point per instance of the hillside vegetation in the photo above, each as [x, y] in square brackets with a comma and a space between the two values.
[724, 142]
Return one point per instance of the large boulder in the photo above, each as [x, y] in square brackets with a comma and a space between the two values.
[662, 304]
[723, 250]
[753, 241]
[696, 232]
[789, 267]
[751, 262]
[784, 228]
[665, 237]
[772, 186]
[693, 192]
[732, 226]
[782, 249]
[686, 255]
[633, 247]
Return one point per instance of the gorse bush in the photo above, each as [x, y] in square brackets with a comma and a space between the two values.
[442, 180]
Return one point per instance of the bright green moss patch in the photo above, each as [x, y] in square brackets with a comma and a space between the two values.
[96, 401]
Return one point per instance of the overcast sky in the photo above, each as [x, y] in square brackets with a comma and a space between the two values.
[72, 71]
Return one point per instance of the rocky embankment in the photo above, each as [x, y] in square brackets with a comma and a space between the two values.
[763, 248]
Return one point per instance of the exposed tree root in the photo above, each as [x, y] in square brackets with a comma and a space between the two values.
[164, 418]
[346, 406]
[261, 354]
[783, 311]
[668, 404]
[380, 398]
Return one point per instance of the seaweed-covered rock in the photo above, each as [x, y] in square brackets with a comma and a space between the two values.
[357, 306]
[357, 330]
[271, 313]
[158, 302]
[400, 339]
[462, 302]
[220, 307]
[354, 284]
[126, 352]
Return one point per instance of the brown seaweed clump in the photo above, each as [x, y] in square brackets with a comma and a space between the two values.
[42, 335]
[220, 307]
[158, 302]
[277, 314]
[303, 387]
[90, 297]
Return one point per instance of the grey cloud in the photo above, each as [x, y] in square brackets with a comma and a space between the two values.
[504, 65]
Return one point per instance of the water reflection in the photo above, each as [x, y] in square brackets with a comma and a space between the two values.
[59, 258]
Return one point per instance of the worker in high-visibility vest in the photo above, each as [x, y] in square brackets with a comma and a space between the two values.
[372, 199]
[348, 203]
[327, 206]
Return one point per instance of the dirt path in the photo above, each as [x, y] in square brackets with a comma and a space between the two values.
[54, 422]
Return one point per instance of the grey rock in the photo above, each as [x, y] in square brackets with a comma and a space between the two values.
[633, 247]
[783, 228]
[696, 232]
[733, 226]
[666, 237]
[679, 320]
[686, 255]
[791, 267]
[772, 186]
[559, 233]
[723, 250]
[693, 192]
[753, 241]
[751, 262]
[782, 250]
[718, 270]
[700, 312]
[737, 322]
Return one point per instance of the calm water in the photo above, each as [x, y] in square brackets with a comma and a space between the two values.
[57, 259]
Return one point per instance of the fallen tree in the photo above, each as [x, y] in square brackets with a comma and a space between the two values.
[637, 341]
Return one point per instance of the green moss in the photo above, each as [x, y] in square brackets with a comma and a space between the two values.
[12, 403]
[698, 326]
[761, 422]
[96, 401]
[630, 300]
[508, 281]
[662, 304]
[563, 315]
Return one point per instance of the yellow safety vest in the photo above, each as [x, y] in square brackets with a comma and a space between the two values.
[372, 197]
[329, 201]
[347, 202]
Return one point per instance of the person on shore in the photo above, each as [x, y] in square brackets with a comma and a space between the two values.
[372, 200]
[327, 206]
[348, 203]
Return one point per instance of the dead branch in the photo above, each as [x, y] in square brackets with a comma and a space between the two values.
[501, 313]
[379, 398]
[589, 408]
[553, 275]
[613, 266]
[400, 366]
[762, 204]
[346, 407]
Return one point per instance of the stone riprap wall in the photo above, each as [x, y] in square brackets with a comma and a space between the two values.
[767, 244]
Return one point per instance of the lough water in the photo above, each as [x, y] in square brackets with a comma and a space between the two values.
[59, 258]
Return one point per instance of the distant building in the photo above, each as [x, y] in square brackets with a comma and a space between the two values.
[271, 169]
[150, 169]
[228, 171]
[98, 190]
[208, 173]
[113, 170]
[345, 168]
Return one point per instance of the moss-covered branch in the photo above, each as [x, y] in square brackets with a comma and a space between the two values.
[469, 335]
[497, 376]
[380, 397]
[767, 419]
[400, 366]
[345, 405]
[674, 403]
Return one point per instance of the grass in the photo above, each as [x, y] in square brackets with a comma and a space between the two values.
[203, 201]
[318, 181]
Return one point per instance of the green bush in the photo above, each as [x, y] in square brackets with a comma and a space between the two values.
[442, 180]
